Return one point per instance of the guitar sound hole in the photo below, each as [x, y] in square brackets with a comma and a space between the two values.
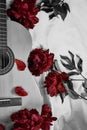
[4, 60]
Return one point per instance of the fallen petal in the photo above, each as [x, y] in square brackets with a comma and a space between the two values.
[20, 91]
[20, 65]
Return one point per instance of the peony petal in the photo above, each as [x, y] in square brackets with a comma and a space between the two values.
[61, 88]
[20, 91]
[20, 65]
[2, 127]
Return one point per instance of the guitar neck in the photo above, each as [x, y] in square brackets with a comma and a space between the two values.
[3, 23]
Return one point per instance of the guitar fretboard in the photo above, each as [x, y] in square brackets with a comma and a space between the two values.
[3, 23]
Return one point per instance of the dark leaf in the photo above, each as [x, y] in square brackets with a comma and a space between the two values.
[46, 1]
[61, 96]
[70, 90]
[73, 94]
[66, 6]
[72, 57]
[70, 84]
[79, 65]
[56, 65]
[47, 10]
[52, 67]
[84, 84]
[55, 2]
[63, 15]
[66, 59]
[51, 16]
[69, 67]
[58, 10]
[73, 73]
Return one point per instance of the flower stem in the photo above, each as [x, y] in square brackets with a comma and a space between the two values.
[80, 96]
[83, 76]
[77, 79]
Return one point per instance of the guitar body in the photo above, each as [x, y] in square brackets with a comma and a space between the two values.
[20, 42]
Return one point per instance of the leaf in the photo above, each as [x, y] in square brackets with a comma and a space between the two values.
[70, 67]
[66, 6]
[66, 59]
[70, 91]
[71, 62]
[47, 10]
[57, 6]
[58, 10]
[61, 96]
[70, 84]
[79, 65]
[73, 94]
[20, 65]
[51, 16]
[72, 57]
[55, 2]
[56, 65]
[20, 91]
[84, 84]
[63, 15]
[73, 73]
[46, 1]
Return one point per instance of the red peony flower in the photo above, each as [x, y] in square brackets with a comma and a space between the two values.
[40, 61]
[54, 83]
[24, 12]
[47, 117]
[2, 127]
[32, 120]
[64, 76]
[26, 120]
[20, 91]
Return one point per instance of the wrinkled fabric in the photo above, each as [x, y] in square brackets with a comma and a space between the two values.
[60, 37]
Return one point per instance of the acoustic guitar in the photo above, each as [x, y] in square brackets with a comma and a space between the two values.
[15, 43]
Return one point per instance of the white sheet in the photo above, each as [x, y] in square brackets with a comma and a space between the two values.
[60, 36]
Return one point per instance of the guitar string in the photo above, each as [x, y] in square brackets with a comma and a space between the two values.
[3, 37]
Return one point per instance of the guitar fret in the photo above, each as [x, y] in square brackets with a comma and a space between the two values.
[3, 37]
[3, 33]
[3, 20]
[2, 10]
[3, 24]
[3, 15]
[3, 40]
[2, 5]
[3, 1]
[3, 29]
